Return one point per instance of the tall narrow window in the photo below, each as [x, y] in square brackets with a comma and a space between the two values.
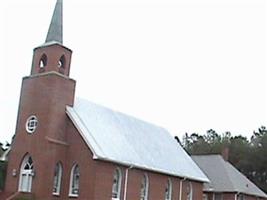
[168, 190]
[116, 187]
[57, 179]
[74, 181]
[26, 174]
[144, 188]
[189, 191]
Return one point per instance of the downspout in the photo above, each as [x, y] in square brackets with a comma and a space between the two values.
[126, 182]
[181, 188]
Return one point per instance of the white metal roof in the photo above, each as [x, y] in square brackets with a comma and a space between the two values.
[119, 138]
[224, 177]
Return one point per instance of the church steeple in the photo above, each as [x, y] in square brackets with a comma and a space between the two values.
[52, 56]
[55, 32]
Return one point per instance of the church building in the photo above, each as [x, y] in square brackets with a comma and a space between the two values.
[69, 148]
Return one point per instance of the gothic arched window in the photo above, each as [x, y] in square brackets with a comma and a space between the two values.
[74, 180]
[144, 188]
[116, 186]
[168, 190]
[57, 179]
[26, 174]
[61, 62]
[43, 61]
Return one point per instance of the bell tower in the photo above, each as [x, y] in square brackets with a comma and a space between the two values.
[40, 136]
[52, 55]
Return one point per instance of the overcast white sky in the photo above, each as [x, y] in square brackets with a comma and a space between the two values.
[184, 65]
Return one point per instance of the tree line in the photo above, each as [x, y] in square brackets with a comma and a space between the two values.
[248, 155]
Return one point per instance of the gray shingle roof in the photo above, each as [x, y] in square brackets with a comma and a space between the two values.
[122, 139]
[224, 177]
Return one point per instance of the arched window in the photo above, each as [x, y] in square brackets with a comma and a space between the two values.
[61, 62]
[116, 187]
[144, 188]
[26, 174]
[57, 179]
[189, 191]
[43, 61]
[74, 181]
[168, 190]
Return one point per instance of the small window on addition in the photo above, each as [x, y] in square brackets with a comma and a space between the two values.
[61, 62]
[43, 61]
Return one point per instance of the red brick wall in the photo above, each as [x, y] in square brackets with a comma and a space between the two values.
[78, 153]
[157, 183]
[229, 196]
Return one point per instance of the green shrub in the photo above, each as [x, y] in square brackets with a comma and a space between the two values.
[3, 168]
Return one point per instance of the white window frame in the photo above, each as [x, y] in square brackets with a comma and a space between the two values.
[57, 179]
[31, 124]
[168, 190]
[117, 193]
[26, 174]
[144, 191]
[71, 194]
[189, 191]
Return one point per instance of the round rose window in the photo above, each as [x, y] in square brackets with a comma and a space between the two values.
[31, 124]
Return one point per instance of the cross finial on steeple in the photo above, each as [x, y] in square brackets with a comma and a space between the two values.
[55, 32]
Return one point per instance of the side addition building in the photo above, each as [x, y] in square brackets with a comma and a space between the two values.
[226, 182]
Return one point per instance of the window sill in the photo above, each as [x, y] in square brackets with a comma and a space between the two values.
[73, 195]
[24, 192]
[56, 194]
